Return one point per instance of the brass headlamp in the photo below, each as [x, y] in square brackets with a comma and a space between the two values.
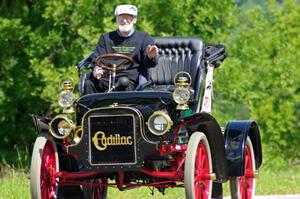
[159, 123]
[181, 94]
[61, 126]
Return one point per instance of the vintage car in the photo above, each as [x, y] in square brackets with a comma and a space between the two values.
[161, 135]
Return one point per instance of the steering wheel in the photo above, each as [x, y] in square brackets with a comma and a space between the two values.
[114, 62]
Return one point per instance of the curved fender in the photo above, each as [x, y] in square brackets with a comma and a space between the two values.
[41, 123]
[236, 133]
[207, 124]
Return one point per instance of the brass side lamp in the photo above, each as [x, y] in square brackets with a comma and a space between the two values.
[181, 94]
[67, 97]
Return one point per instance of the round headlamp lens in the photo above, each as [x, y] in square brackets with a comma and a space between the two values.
[160, 123]
[181, 95]
[66, 99]
[63, 128]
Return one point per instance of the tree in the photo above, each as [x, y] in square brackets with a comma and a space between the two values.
[262, 76]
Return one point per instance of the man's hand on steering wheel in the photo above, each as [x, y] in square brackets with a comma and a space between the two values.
[98, 72]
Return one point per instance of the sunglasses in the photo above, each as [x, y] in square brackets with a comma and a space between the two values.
[128, 18]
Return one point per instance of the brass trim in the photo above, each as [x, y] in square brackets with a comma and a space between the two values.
[186, 83]
[166, 116]
[77, 138]
[61, 117]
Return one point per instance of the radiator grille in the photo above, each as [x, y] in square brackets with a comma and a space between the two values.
[112, 140]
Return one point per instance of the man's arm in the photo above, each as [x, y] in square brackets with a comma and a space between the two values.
[100, 47]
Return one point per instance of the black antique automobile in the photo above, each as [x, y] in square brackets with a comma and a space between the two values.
[161, 135]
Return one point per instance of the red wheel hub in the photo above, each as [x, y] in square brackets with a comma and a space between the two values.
[98, 191]
[247, 181]
[202, 173]
[48, 169]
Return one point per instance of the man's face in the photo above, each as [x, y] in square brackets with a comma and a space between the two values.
[126, 22]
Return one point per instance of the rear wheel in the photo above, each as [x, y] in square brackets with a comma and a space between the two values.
[44, 163]
[95, 192]
[198, 168]
[243, 187]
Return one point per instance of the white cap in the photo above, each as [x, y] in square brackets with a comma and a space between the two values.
[126, 9]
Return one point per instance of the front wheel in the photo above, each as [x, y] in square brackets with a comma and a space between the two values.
[198, 168]
[243, 187]
[44, 163]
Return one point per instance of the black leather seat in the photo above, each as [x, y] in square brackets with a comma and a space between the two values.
[177, 54]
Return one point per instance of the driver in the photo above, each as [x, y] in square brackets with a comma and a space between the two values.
[128, 41]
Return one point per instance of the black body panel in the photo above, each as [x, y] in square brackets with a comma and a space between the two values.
[41, 123]
[155, 100]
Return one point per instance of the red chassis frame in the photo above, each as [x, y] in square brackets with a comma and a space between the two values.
[176, 175]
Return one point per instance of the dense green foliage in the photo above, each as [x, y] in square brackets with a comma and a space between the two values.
[41, 42]
[262, 75]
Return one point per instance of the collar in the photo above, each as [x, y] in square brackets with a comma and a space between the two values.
[120, 34]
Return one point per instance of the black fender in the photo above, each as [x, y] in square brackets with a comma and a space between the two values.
[236, 133]
[207, 124]
[41, 123]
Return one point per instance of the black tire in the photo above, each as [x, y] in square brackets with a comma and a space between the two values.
[198, 143]
[245, 185]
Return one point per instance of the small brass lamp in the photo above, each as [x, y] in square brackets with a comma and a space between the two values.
[67, 97]
[181, 94]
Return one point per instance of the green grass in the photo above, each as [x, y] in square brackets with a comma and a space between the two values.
[283, 181]
[14, 184]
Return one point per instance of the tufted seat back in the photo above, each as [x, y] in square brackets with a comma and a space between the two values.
[177, 54]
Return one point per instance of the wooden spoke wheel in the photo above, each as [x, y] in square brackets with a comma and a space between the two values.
[198, 168]
[44, 165]
[243, 187]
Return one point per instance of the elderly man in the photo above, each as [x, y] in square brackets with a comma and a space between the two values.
[128, 41]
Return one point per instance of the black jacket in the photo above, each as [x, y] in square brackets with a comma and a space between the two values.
[134, 46]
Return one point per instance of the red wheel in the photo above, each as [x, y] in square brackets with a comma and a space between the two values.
[243, 187]
[44, 164]
[96, 192]
[198, 168]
